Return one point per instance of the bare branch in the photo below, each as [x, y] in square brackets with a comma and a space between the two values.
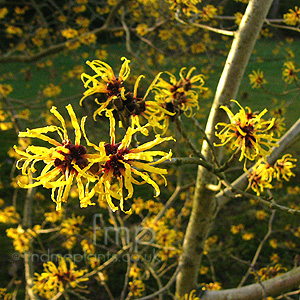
[273, 287]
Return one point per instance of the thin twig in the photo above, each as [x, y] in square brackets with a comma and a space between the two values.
[178, 124]
[166, 287]
[216, 30]
[258, 251]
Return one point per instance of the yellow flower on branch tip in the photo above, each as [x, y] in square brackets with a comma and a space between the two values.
[120, 164]
[136, 288]
[257, 79]
[3, 291]
[51, 90]
[289, 73]
[59, 278]
[22, 238]
[187, 6]
[150, 110]
[292, 17]
[179, 95]
[5, 89]
[71, 226]
[278, 127]
[105, 81]
[270, 272]
[260, 177]
[247, 132]
[9, 215]
[208, 12]
[3, 12]
[60, 160]
[283, 167]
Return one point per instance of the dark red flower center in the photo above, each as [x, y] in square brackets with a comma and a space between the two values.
[75, 154]
[65, 277]
[115, 159]
[249, 137]
[114, 87]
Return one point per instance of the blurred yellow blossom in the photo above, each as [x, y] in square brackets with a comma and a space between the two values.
[261, 215]
[213, 286]
[82, 21]
[273, 243]
[3, 12]
[88, 39]
[58, 278]
[208, 12]
[69, 33]
[136, 288]
[237, 228]
[135, 271]
[79, 9]
[247, 236]
[190, 296]
[51, 90]
[14, 30]
[270, 272]
[4, 294]
[22, 238]
[289, 73]
[5, 90]
[238, 18]
[71, 226]
[292, 17]
[142, 29]
[274, 258]
[257, 79]
[9, 215]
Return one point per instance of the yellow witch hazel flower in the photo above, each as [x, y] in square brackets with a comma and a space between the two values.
[283, 167]
[289, 73]
[178, 96]
[3, 292]
[59, 172]
[9, 215]
[136, 288]
[247, 132]
[260, 177]
[187, 6]
[134, 106]
[120, 164]
[22, 238]
[191, 296]
[292, 17]
[262, 173]
[105, 82]
[257, 79]
[59, 278]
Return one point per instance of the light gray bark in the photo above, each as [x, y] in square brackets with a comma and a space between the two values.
[269, 288]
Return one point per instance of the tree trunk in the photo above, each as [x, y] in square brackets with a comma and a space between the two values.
[204, 208]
